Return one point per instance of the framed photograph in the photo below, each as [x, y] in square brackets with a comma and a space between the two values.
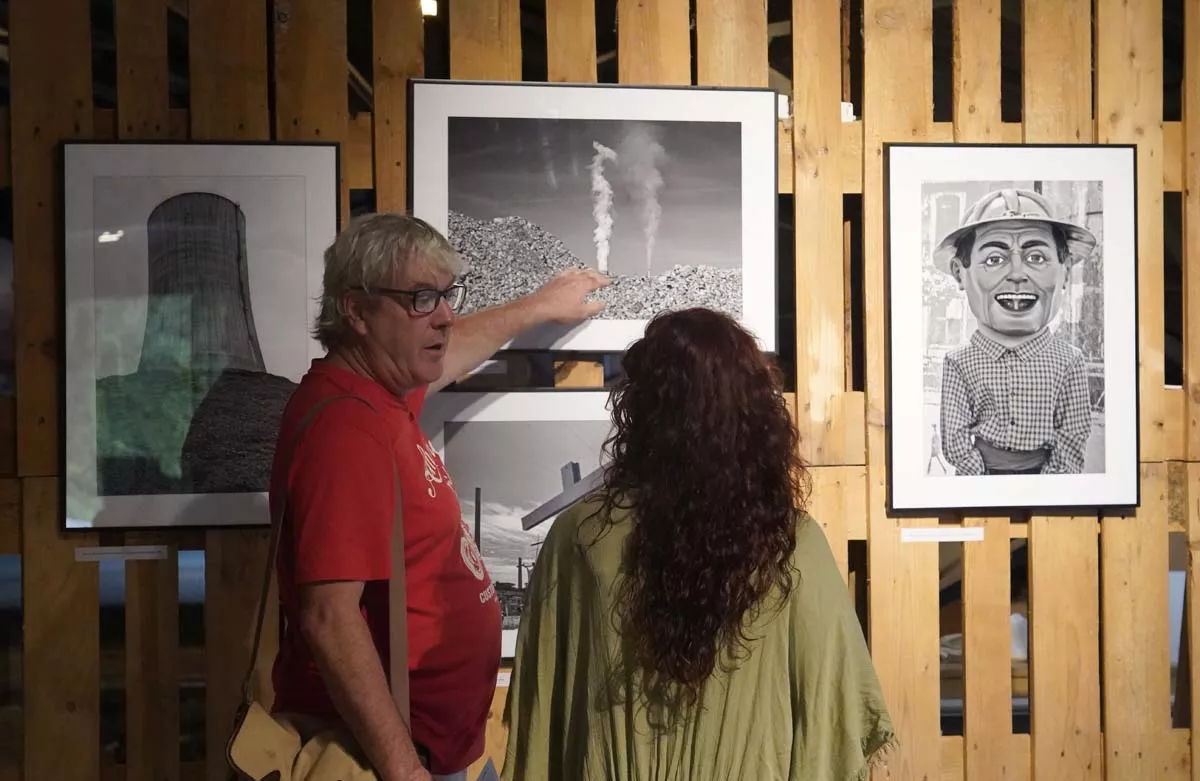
[192, 275]
[670, 191]
[1012, 326]
[508, 455]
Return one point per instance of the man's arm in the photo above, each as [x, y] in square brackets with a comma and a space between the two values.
[1072, 421]
[341, 645]
[956, 419]
[476, 337]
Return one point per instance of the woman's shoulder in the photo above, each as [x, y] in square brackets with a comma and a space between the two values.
[813, 556]
[590, 529]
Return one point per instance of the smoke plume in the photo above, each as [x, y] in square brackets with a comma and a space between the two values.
[602, 199]
[640, 155]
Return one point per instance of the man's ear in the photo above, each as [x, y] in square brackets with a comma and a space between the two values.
[956, 270]
[356, 309]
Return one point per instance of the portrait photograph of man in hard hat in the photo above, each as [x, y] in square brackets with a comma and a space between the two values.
[1013, 364]
[1018, 341]
[1015, 397]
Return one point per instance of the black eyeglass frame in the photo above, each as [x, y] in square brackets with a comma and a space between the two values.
[415, 295]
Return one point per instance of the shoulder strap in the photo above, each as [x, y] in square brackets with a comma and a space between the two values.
[396, 589]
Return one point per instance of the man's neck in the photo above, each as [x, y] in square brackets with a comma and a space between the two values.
[1011, 341]
[352, 360]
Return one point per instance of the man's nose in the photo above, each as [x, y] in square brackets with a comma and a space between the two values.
[1016, 266]
[442, 314]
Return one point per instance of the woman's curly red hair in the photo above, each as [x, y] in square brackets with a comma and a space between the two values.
[706, 453]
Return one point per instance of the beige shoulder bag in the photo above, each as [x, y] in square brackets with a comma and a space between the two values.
[264, 747]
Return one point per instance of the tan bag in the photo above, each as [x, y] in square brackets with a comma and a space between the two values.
[282, 747]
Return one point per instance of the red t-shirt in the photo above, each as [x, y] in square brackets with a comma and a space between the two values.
[339, 526]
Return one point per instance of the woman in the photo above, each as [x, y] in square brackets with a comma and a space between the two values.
[687, 621]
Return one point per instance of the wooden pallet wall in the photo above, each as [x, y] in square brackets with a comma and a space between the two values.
[1100, 678]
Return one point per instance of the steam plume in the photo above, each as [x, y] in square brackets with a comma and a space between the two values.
[602, 198]
[640, 156]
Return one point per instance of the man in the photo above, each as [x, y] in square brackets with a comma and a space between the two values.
[1015, 397]
[388, 323]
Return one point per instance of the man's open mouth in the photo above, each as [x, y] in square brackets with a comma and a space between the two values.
[1016, 302]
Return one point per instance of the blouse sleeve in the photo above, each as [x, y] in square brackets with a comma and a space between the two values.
[841, 725]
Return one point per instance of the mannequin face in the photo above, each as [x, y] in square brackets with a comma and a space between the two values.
[1013, 279]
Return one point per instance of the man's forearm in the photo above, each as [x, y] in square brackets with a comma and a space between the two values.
[478, 336]
[354, 677]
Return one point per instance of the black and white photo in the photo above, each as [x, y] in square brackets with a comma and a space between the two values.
[670, 192]
[1012, 326]
[506, 454]
[192, 277]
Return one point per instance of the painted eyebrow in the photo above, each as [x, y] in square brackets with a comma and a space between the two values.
[998, 244]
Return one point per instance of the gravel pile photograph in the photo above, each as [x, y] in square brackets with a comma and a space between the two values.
[508, 257]
[654, 205]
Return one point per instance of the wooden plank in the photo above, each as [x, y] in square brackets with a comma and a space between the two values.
[1129, 105]
[1064, 648]
[731, 44]
[787, 158]
[227, 71]
[228, 74]
[570, 57]
[829, 437]
[838, 497]
[903, 627]
[151, 587]
[51, 94]
[1188, 156]
[357, 153]
[987, 656]
[8, 404]
[152, 663]
[360, 175]
[571, 41]
[485, 40]
[310, 77]
[986, 592]
[61, 642]
[1063, 552]
[398, 32]
[1136, 663]
[653, 42]
[10, 516]
[976, 71]
[1189, 657]
[142, 96]
[1010, 133]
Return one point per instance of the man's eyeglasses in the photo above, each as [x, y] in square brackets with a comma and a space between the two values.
[424, 300]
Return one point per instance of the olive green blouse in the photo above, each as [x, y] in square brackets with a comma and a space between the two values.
[803, 705]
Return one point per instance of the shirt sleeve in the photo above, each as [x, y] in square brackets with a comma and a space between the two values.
[1072, 421]
[956, 419]
[341, 497]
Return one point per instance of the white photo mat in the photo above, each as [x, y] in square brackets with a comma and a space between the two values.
[433, 103]
[286, 239]
[909, 167]
[508, 407]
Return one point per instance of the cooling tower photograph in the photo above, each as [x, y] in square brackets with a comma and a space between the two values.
[190, 297]
[664, 201]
